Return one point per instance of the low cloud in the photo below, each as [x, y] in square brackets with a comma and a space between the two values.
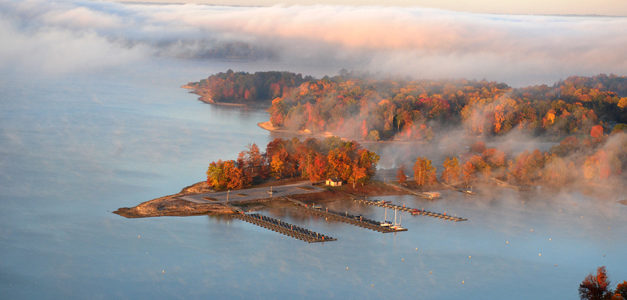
[416, 42]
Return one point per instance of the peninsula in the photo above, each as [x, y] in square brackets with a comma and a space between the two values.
[583, 117]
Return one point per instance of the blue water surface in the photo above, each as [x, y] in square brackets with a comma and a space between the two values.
[75, 147]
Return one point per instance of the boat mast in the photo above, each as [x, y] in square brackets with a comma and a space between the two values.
[395, 217]
[385, 214]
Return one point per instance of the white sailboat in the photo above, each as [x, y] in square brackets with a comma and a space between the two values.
[397, 226]
[385, 222]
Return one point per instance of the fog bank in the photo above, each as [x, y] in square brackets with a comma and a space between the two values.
[400, 41]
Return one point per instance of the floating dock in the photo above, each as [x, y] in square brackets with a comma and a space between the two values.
[346, 217]
[279, 226]
[413, 211]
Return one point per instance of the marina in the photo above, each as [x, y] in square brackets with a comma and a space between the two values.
[413, 211]
[345, 217]
[281, 227]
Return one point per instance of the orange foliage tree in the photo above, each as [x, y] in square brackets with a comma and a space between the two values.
[557, 171]
[468, 172]
[424, 172]
[527, 167]
[452, 171]
[225, 175]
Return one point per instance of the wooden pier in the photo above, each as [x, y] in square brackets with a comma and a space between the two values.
[346, 217]
[413, 211]
[284, 228]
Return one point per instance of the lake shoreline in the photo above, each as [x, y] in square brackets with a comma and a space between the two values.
[175, 205]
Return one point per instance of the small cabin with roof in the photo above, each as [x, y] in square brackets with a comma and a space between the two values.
[333, 182]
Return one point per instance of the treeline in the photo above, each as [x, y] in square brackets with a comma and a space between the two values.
[242, 87]
[594, 158]
[372, 109]
[309, 159]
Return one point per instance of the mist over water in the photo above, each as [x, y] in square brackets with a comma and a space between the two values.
[65, 36]
[92, 118]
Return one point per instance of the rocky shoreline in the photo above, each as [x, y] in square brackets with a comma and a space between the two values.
[172, 205]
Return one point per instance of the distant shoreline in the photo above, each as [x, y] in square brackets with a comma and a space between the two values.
[267, 125]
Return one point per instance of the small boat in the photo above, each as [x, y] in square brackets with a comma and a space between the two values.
[397, 227]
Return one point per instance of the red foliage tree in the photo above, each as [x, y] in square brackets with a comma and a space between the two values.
[596, 287]
[527, 167]
[596, 131]
[400, 175]
[621, 289]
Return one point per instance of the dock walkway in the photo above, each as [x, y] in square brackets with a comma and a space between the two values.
[345, 217]
[413, 211]
[279, 226]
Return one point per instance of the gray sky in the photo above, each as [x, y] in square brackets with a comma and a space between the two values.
[579, 7]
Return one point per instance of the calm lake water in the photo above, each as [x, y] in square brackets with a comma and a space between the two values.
[74, 148]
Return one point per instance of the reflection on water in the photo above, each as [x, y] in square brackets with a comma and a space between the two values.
[76, 148]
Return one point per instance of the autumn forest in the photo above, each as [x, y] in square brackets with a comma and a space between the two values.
[362, 108]
[584, 117]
